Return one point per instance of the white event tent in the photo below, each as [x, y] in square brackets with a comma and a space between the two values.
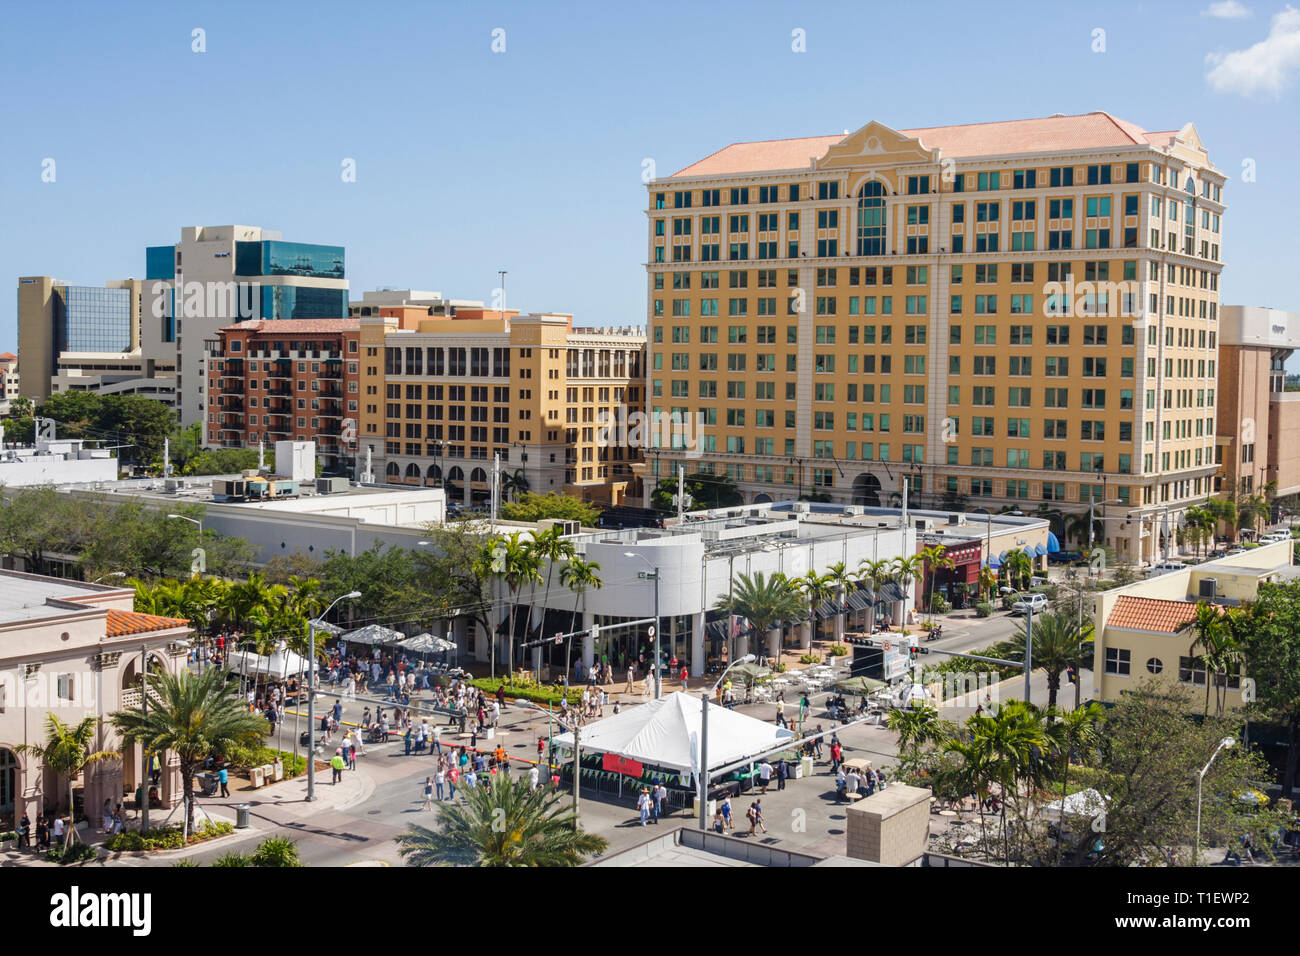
[663, 733]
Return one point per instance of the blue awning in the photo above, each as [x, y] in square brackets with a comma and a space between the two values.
[992, 561]
[1002, 558]
[1039, 550]
[1053, 545]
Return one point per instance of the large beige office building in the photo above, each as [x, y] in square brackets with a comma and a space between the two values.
[1019, 314]
[445, 391]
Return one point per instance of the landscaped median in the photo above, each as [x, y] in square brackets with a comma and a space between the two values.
[166, 837]
[526, 689]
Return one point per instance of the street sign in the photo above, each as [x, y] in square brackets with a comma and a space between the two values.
[650, 631]
[559, 638]
[885, 646]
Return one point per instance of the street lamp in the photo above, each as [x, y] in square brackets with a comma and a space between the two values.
[111, 574]
[311, 690]
[747, 659]
[193, 521]
[1200, 779]
[655, 637]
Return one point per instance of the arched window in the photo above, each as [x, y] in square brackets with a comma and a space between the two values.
[8, 787]
[413, 470]
[455, 474]
[393, 470]
[871, 219]
[433, 471]
[478, 474]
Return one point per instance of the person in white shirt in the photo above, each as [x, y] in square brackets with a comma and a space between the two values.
[533, 776]
[765, 774]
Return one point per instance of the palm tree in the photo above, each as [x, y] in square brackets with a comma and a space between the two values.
[514, 562]
[1005, 745]
[988, 581]
[551, 547]
[577, 576]
[764, 600]
[932, 559]
[192, 716]
[1077, 528]
[1218, 652]
[915, 728]
[67, 752]
[877, 574]
[1058, 645]
[1074, 732]
[841, 577]
[906, 568]
[816, 588]
[511, 826]
[1019, 568]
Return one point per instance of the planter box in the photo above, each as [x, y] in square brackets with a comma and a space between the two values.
[805, 768]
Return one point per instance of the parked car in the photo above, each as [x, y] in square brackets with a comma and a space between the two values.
[1030, 602]
[1164, 567]
[1065, 557]
[1273, 536]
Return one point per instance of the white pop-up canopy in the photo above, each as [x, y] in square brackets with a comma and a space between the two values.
[663, 733]
[282, 663]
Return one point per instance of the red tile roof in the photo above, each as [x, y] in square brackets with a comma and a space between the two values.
[8, 357]
[121, 623]
[1150, 614]
[288, 326]
[1042, 134]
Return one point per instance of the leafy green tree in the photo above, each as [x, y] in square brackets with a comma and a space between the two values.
[531, 506]
[1150, 755]
[578, 575]
[192, 716]
[877, 574]
[511, 826]
[706, 491]
[1268, 633]
[67, 752]
[1003, 746]
[1076, 734]
[225, 461]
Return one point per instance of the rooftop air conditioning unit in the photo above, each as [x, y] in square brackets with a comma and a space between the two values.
[173, 486]
[565, 525]
[957, 519]
[800, 507]
[853, 510]
[1208, 588]
[924, 524]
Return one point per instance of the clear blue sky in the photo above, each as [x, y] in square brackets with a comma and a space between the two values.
[470, 161]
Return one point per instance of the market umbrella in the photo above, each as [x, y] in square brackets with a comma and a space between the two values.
[750, 672]
[373, 634]
[859, 685]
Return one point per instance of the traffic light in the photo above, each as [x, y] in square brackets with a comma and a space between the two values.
[1069, 671]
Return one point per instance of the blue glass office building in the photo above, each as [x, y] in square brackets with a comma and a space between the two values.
[88, 319]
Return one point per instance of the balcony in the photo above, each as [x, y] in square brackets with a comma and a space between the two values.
[279, 391]
[330, 410]
[330, 391]
[331, 428]
[232, 403]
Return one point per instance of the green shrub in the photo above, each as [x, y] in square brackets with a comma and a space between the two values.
[186, 863]
[838, 650]
[73, 854]
[526, 690]
[241, 758]
[1008, 600]
[984, 609]
[276, 851]
[6, 837]
[233, 859]
[165, 838]
[810, 659]
[939, 605]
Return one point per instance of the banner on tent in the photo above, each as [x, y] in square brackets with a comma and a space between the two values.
[624, 765]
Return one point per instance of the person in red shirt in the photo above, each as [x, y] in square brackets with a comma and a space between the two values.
[684, 676]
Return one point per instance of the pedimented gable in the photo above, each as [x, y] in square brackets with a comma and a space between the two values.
[1187, 144]
[877, 144]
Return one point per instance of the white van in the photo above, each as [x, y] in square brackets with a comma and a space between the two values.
[1164, 567]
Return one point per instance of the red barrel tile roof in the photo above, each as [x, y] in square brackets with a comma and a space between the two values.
[1151, 614]
[121, 623]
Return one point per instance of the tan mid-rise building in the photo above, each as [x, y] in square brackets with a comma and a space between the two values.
[1258, 438]
[1017, 314]
[444, 393]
